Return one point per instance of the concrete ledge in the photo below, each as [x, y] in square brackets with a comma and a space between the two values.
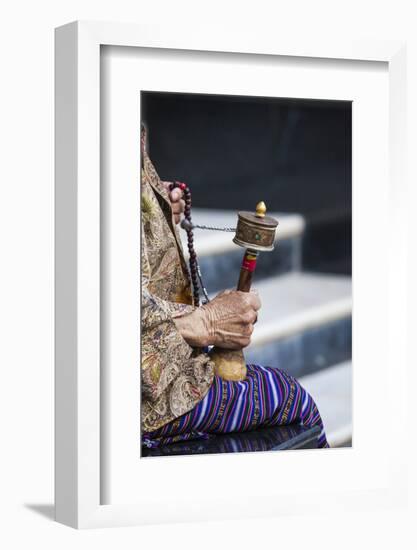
[294, 302]
[331, 389]
[308, 351]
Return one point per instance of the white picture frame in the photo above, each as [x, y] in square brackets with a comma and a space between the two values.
[78, 404]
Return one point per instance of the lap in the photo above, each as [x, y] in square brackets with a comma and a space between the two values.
[267, 396]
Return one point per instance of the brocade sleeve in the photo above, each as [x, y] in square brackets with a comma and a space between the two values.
[164, 351]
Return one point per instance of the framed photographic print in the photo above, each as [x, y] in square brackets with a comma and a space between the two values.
[224, 207]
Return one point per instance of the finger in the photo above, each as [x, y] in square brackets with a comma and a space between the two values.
[254, 300]
[167, 184]
[223, 292]
[176, 195]
[177, 208]
[249, 317]
[177, 219]
[251, 299]
[238, 342]
[245, 342]
[248, 330]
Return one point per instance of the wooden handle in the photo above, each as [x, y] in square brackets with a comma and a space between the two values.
[246, 271]
[231, 365]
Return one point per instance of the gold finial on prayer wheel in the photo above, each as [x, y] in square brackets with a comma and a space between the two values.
[260, 209]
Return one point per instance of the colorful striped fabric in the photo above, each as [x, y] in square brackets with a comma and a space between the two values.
[267, 397]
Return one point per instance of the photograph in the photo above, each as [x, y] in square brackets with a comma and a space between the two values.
[246, 273]
[209, 251]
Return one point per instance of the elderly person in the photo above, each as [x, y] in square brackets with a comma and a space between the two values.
[182, 398]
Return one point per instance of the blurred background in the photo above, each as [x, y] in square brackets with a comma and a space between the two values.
[294, 154]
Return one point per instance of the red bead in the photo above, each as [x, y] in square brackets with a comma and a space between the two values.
[182, 186]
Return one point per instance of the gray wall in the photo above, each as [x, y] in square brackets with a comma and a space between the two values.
[234, 151]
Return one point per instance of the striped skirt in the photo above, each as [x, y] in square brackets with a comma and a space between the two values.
[267, 397]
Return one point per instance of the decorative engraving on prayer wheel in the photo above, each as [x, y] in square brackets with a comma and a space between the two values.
[256, 231]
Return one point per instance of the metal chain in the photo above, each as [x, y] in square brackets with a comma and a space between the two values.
[212, 228]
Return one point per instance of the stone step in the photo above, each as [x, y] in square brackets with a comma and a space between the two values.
[332, 391]
[220, 258]
[304, 324]
[297, 301]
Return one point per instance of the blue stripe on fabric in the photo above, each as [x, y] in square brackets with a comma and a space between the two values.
[273, 387]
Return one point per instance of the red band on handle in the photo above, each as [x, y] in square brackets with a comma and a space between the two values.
[249, 262]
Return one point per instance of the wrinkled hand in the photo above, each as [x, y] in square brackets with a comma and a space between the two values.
[230, 317]
[227, 321]
[177, 201]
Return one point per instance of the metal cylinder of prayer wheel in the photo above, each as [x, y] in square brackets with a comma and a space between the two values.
[256, 233]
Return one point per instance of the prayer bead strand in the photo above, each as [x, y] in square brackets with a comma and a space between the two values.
[190, 239]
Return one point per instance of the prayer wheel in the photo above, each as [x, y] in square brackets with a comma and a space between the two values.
[256, 233]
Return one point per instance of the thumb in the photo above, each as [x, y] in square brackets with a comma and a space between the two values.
[224, 292]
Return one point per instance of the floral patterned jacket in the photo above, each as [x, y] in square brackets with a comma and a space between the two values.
[174, 376]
